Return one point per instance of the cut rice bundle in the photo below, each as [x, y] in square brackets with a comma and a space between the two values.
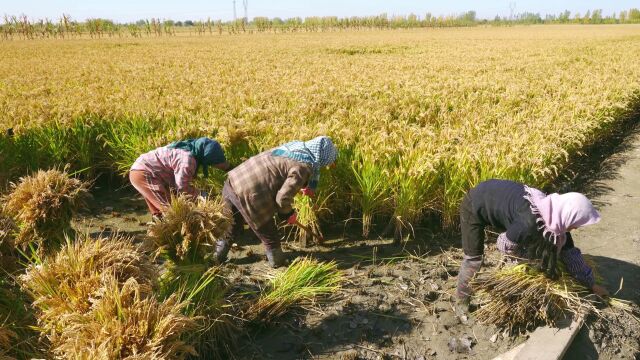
[308, 217]
[519, 298]
[303, 282]
[71, 281]
[185, 239]
[189, 229]
[125, 323]
[43, 205]
[204, 289]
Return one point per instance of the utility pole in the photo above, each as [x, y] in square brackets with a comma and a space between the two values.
[245, 3]
[234, 11]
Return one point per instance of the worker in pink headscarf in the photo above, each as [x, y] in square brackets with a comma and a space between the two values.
[527, 218]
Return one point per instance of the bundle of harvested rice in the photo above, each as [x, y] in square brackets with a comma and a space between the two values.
[125, 323]
[189, 229]
[519, 298]
[204, 289]
[307, 216]
[302, 282]
[185, 239]
[43, 206]
[71, 281]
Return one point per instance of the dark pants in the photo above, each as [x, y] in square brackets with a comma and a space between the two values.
[472, 229]
[267, 233]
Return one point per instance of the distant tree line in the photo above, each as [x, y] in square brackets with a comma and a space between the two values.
[22, 27]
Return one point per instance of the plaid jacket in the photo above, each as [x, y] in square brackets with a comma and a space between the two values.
[266, 184]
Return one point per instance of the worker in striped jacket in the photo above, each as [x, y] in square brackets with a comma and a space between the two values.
[172, 168]
[266, 184]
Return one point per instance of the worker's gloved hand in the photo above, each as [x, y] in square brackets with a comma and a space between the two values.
[292, 219]
[307, 192]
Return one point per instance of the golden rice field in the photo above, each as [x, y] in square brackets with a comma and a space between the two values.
[420, 115]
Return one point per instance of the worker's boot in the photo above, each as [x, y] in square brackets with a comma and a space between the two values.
[222, 251]
[276, 257]
[470, 266]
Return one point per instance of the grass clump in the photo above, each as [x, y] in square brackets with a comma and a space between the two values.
[301, 283]
[189, 229]
[43, 205]
[520, 298]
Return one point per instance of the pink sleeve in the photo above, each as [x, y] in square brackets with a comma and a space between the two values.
[184, 173]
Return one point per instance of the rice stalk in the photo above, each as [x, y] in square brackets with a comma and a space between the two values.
[371, 188]
[303, 282]
[43, 206]
[189, 229]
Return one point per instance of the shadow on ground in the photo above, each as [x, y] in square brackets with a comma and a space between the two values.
[588, 171]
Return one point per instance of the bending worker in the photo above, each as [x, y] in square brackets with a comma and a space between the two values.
[172, 168]
[266, 184]
[526, 216]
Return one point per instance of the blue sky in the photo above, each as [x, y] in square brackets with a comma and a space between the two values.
[129, 10]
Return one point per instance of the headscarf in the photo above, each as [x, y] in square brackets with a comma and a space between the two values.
[559, 212]
[317, 152]
[206, 151]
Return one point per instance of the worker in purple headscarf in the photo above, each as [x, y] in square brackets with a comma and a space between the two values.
[528, 218]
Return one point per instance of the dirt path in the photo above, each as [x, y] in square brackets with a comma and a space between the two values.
[614, 242]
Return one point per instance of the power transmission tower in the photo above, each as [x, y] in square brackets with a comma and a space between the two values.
[235, 17]
[512, 7]
[245, 3]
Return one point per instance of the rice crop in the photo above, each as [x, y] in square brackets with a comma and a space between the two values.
[430, 112]
[519, 298]
[302, 283]
[189, 229]
[43, 206]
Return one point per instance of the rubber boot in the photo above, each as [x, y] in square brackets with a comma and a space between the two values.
[470, 266]
[276, 257]
[222, 251]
